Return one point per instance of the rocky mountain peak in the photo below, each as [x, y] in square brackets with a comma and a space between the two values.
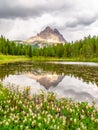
[48, 35]
[48, 28]
[56, 31]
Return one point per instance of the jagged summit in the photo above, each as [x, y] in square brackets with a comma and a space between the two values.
[48, 35]
[48, 28]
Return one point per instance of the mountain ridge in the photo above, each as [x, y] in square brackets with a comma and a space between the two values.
[48, 35]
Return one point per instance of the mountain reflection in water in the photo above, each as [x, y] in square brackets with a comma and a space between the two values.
[47, 80]
[63, 86]
[78, 82]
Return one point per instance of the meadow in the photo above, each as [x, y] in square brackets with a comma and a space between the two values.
[20, 111]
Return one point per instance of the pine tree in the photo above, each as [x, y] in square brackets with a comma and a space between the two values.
[30, 51]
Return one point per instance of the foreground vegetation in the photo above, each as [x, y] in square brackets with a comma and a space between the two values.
[44, 112]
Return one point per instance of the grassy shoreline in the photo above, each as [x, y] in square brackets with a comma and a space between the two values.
[11, 59]
[41, 58]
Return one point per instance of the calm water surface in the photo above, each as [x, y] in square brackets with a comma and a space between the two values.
[76, 80]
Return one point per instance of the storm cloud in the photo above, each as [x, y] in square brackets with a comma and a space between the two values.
[20, 19]
[82, 21]
[31, 8]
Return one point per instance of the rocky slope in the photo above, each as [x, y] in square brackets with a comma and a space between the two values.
[48, 35]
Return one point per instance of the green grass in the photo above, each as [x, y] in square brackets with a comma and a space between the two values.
[44, 112]
[10, 58]
[42, 58]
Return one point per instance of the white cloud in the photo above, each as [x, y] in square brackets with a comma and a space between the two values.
[20, 19]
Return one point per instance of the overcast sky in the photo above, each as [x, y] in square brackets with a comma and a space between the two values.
[21, 19]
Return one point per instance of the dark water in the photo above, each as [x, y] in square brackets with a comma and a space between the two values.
[76, 80]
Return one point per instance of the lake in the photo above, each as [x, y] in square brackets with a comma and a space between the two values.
[76, 80]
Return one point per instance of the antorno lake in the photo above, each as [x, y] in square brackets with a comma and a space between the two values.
[76, 80]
